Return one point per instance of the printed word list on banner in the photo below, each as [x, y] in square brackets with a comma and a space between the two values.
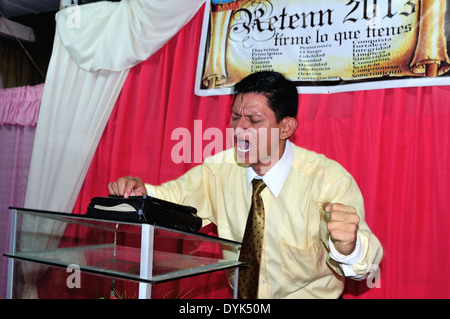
[325, 46]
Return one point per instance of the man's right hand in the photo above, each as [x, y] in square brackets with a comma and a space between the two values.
[127, 186]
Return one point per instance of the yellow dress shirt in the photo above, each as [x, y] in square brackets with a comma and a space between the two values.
[296, 261]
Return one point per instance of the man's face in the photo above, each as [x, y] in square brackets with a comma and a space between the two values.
[256, 132]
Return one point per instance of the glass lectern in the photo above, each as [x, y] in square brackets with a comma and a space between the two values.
[74, 256]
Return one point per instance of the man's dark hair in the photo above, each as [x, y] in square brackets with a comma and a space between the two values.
[281, 93]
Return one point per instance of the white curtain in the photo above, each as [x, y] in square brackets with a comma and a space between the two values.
[75, 108]
[118, 35]
[95, 46]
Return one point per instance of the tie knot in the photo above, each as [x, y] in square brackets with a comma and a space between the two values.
[258, 186]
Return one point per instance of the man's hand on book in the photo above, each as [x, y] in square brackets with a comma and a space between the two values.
[127, 186]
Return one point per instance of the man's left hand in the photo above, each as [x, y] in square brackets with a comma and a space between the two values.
[342, 225]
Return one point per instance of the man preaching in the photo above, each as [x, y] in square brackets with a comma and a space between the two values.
[298, 214]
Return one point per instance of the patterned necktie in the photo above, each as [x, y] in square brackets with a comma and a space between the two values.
[252, 245]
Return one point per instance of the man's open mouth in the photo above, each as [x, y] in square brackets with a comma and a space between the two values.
[243, 146]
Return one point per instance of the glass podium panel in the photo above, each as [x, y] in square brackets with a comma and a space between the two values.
[75, 249]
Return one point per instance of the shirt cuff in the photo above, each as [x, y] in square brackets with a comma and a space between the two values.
[346, 261]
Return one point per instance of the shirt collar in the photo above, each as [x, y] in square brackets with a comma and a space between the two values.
[276, 176]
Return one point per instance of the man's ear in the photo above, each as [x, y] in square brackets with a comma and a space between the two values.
[288, 126]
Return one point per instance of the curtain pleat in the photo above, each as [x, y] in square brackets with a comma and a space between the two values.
[20, 105]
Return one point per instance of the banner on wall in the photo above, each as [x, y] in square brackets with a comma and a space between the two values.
[325, 46]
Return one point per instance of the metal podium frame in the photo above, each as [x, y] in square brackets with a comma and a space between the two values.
[30, 243]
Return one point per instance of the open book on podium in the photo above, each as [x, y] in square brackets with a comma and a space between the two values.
[138, 248]
[145, 209]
